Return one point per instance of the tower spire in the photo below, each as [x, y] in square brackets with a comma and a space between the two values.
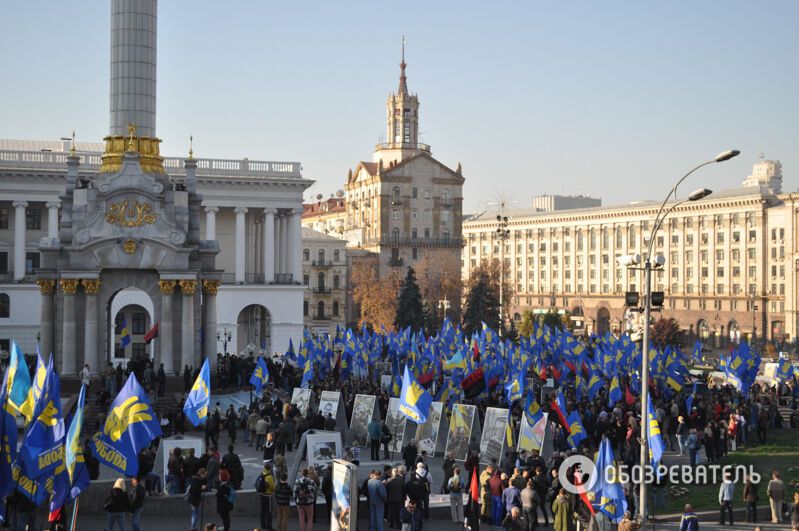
[403, 87]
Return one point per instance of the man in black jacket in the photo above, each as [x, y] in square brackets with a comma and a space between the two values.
[135, 503]
[232, 462]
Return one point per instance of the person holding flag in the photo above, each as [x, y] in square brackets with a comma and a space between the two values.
[260, 376]
[199, 398]
[131, 425]
[415, 401]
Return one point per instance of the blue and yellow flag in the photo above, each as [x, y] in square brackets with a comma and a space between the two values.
[260, 376]
[307, 375]
[576, 430]
[784, 370]
[415, 401]
[74, 479]
[124, 335]
[608, 488]
[199, 398]
[43, 446]
[8, 444]
[615, 391]
[131, 425]
[653, 437]
[19, 384]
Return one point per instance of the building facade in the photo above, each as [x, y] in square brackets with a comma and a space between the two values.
[245, 213]
[404, 206]
[326, 216]
[324, 275]
[730, 261]
[550, 203]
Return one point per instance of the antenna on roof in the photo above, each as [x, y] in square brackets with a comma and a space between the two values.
[72, 150]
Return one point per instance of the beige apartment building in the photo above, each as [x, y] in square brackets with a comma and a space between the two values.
[730, 260]
[324, 275]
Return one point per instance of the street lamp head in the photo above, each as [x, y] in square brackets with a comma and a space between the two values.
[696, 195]
[727, 155]
[499, 218]
[629, 260]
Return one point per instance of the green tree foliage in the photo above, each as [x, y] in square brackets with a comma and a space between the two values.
[482, 302]
[526, 328]
[666, 332]
[410, 311]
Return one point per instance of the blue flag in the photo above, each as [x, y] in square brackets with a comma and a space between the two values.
[199, 398]
[307, 375]
[576, 430]
[609, 494]
[43, 446]
[131, 425]
[74, 478]
[615, 391]
[653, 436]
[8, 445]
[260, 376]
[532, 410]
[19, 381]
[124, 335]
[415, 401]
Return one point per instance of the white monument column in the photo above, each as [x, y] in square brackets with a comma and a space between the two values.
[68, 287]
[91, 288]
[52, 221]
[210, 288]
[269, 245]
[295, 247]
[187, 353]
[241, 243]
[165, 343]
[210, 222]
[19, 239]
[47, 316]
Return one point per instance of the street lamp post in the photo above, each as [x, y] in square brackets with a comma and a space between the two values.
[225, 336]
[648, 265]
[503, 233]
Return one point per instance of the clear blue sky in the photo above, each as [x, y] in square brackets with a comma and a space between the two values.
[614, 99]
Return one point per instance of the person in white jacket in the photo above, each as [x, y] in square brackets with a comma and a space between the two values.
[726, 493]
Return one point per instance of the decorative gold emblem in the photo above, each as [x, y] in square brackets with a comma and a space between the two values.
[134, 216]
[131, 137]
[188, 287]
[210, 286]
[68, 286]
[129, 246]
[91, 285]
[167, 287]
[46, 286]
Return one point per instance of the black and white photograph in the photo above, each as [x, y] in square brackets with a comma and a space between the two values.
[427, 433]
[302, 399]
[493, 439]
[460, 430]
[323, 447]
[363, 409]
[396, 423]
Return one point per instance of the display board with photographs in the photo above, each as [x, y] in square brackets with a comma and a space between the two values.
[531, 437]
[396, 423]
[323, 447]
[344, 502]
[461, 425]
[329, 404]
[493, 439]
[427, 433]
[302, 399]
[364, 409]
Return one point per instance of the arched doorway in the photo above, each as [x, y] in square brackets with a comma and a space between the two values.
[253, 330]
[703, 330]
[602, 321]
[735, 332]
[133, 309]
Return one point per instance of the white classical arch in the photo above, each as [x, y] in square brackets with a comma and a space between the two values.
[127, 297]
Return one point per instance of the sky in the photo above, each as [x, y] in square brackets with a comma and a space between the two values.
[615, 99]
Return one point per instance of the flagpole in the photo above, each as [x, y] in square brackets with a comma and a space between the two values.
[74, 514]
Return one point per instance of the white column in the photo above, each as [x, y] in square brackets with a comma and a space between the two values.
[187, 351]
[68, 365]
[52, 218]
[295, 247]
[280, 253]
[166, 354]
[91, 288]
[282, 249]
[210, 222]
[269, 245]
[241, 243]
[19, 239]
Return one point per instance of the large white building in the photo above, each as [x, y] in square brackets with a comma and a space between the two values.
[731, 260]
[250, 211]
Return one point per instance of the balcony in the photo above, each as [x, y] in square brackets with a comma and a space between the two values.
[320, 317]
[284, 278]
[8, 278]
[322, 290]
[395, 262]
[447, 204]
[322, 263]
[249, 278]
[415, 242]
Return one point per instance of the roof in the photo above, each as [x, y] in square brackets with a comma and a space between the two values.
[491, 214]
[310, 234]
[49, 145]
[331, 205]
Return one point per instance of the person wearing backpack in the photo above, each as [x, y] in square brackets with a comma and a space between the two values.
[419, 489]
[305, 498]
[455, 488]
[283, 500]
[225, 498]
[265, 487]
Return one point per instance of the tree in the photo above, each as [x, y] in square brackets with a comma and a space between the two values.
[439, 277]
[666, 332]
[409, 304]
[370, 293]
[482, 302]
[526, 328]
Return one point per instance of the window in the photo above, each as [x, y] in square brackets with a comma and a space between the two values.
[736, 271]
[320, 310]
[751, 253]
[720, 272]
[445, 236]
[336, 255]
[592, 239]
[752, 236]
[426, 193]
[675, 272]
[33, 218]
[719, 255]
[427, 233]
[689, 256]
[335, 308]
[567, 247]
[414, 214]
[306, 255]
[660, 241]
[336, 281]
[395, 215]
[675, 239]
[137, 325]
[617, 232]
[736, 237]
[5, 305]
[305, 308]
[321, 256]
[31, 263]
[320, 281]
[138, 350]
[414, 253]
[703, 256]
[3, 262]
[414, 193]
[674, 257]
[414, 234]
[306, 280]
[689, 272]
[719, 237]
[395, 235]
[118, 324]
[752, 271]
[689, 239]
[3, 218]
